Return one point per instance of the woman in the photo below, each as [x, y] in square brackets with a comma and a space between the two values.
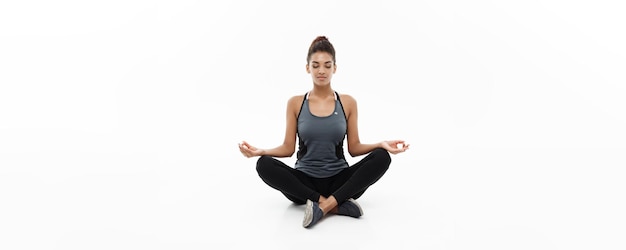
[322, 179]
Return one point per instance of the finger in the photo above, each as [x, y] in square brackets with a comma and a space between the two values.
[247, 154]
[245, 151]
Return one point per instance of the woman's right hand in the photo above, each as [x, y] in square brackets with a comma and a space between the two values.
[248, 150]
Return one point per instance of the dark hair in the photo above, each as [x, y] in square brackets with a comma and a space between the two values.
[322, 44]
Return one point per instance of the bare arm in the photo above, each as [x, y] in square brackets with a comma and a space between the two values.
[287, 148]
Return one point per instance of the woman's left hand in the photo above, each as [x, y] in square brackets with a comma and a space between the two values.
[395, 146]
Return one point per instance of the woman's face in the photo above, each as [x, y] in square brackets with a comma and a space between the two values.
[321, 68]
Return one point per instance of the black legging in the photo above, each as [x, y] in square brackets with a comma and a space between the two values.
[349, 183]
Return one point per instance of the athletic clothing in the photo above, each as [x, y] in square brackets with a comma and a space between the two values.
[320, 152]
[321, 168]
[349, 183]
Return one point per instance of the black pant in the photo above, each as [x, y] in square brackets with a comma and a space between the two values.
[349, 183]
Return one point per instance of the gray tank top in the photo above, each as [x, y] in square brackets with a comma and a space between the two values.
[320, 152]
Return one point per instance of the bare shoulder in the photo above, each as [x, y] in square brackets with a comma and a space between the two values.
[296, 100]
[347, 100]
[294, 103]
[349, 104]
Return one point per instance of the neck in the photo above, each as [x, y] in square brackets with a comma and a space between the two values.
[322, 91]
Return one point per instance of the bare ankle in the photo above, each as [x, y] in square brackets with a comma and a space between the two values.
[329, 205]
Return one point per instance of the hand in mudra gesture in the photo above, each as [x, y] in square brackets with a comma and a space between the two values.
[248, 150]
[395, 146]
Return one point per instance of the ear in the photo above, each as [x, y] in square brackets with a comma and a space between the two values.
[307, 69]
[334, 68]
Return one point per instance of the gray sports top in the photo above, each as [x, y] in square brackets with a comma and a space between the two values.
[320, 152]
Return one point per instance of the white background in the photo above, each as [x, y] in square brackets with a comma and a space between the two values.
[119, 122]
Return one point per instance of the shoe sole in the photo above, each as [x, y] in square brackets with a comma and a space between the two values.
[308, 214]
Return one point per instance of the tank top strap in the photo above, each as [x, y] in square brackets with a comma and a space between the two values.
[306, 97]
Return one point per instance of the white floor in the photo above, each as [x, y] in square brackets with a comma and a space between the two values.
[474, 199]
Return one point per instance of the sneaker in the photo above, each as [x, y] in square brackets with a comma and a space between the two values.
[350, 208]
[312, 214]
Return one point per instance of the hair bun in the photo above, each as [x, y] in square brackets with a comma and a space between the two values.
[320, 38]
[321, 43]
